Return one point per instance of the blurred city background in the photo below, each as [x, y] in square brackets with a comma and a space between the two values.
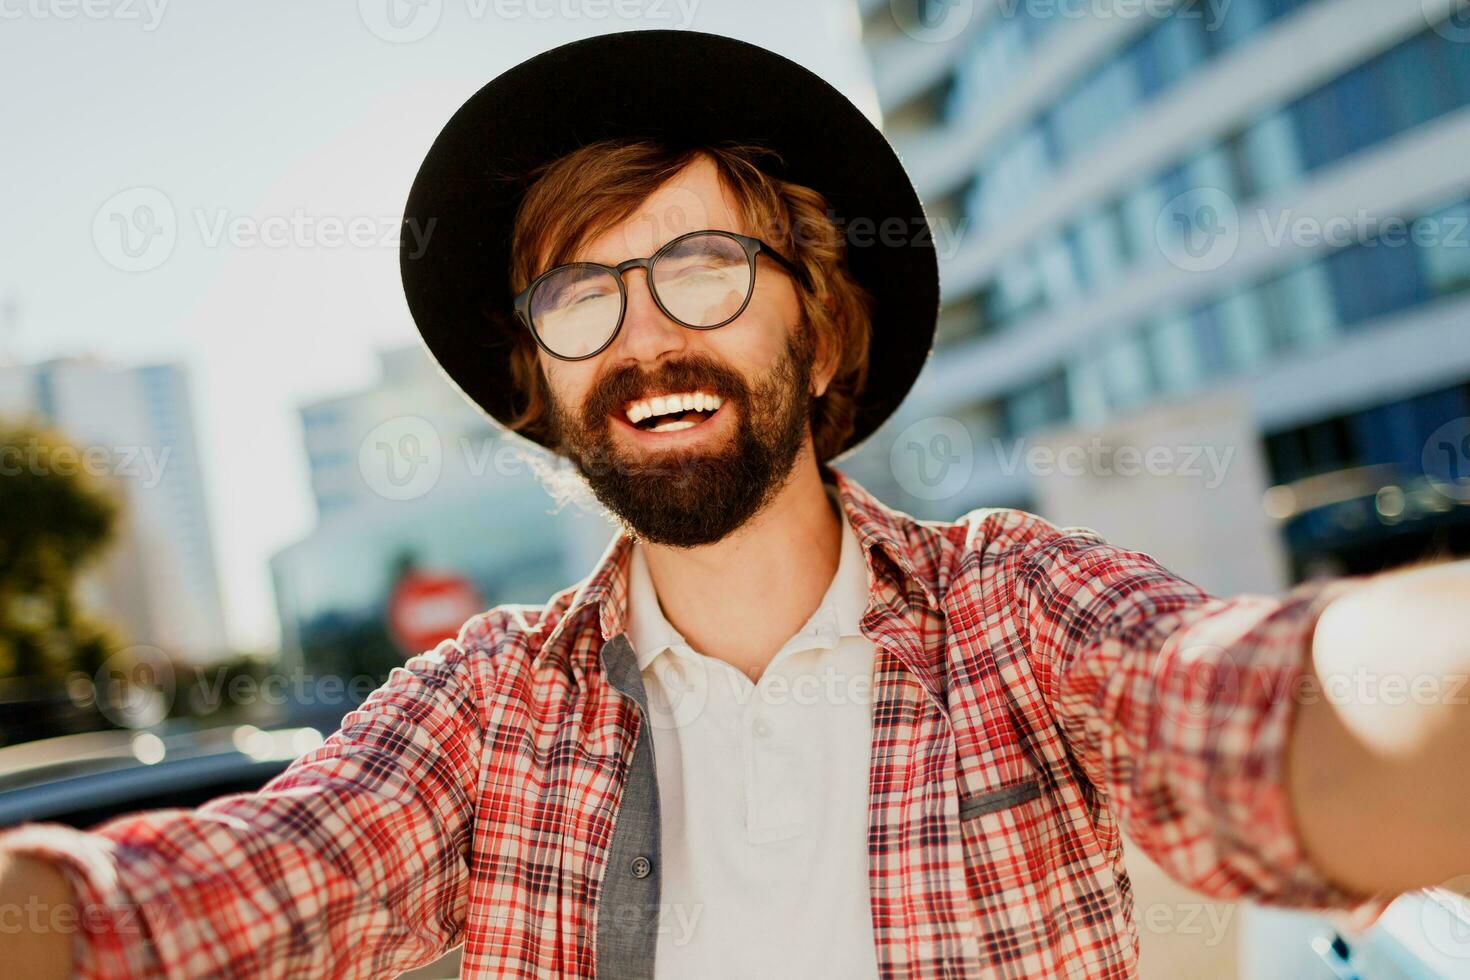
[1206, 287]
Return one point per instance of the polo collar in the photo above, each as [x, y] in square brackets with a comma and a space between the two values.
[838, 615]
[877, 528]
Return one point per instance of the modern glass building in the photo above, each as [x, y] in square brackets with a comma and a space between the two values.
[158, 581]
[407, 469]
[1140, 203]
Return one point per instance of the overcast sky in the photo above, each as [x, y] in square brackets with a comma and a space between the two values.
[272, 109]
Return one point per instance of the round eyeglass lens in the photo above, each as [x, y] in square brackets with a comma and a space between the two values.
[576, 309]
[703, 280]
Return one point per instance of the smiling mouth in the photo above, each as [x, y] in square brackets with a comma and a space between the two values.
[673, 412]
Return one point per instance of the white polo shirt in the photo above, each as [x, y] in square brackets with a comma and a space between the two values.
[763, 791]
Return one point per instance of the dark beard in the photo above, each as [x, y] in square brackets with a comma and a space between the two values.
[690, 497]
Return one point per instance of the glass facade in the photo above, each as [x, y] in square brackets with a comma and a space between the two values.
[1367, 529]
[1096, 104]
[996, 59]
[1057, 222]
[1245, 328]
[1413, 83]
[1040, 404]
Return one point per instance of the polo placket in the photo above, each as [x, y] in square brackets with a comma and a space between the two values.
[628, 910]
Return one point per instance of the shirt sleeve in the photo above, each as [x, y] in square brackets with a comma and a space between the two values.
[352, 862]
[1178, 706]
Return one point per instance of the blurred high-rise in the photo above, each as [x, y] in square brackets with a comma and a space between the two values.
[406, 468]
[134, 426]
[1138, 205]
[333, 429]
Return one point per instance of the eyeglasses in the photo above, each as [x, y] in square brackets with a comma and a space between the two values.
[701, 280]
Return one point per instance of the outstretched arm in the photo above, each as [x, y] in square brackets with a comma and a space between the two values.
[1381, 741]
[28, 883]
[351, 862]
[1177, 706]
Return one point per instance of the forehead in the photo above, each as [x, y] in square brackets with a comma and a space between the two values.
[693, 199]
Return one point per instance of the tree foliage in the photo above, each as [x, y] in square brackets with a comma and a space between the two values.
[54, 520]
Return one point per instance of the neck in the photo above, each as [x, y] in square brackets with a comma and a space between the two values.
[741, 598]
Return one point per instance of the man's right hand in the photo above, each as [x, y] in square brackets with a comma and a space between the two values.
[36, 903]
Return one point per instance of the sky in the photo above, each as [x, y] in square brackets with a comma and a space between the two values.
[272, 131]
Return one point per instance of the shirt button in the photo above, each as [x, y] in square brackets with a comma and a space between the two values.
[762, 728]
[641, 867]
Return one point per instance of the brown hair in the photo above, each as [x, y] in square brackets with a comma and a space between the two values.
[609, 179]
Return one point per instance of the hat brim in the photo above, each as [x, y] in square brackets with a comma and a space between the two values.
[686, 88]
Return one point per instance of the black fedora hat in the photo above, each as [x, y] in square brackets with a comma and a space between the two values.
[684, 88]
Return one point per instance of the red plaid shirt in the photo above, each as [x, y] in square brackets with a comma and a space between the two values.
[1036, 692]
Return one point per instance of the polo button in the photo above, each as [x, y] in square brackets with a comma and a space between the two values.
[641, 867]
[762, 728]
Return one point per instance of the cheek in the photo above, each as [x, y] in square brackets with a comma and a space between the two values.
[758, 338]
[568, 382]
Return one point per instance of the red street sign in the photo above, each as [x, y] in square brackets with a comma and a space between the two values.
[426, 607]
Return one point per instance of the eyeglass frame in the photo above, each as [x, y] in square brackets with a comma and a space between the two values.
[752, 246]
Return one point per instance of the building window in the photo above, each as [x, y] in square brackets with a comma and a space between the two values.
[1446, 252]
[1300, 310]
[1271, 156]
[1128, 377]
[1037, 406]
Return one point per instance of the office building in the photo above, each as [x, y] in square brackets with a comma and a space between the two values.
[1140, 205]
[407, 470]
[158, 581]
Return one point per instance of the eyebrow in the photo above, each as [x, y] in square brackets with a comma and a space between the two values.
[572, 281]
[572, 259]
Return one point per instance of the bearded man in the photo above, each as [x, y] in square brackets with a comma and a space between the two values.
[780, 729]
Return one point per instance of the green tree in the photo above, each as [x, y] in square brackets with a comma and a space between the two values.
[54, 520]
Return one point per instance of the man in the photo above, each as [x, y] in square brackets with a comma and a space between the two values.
[780, 729]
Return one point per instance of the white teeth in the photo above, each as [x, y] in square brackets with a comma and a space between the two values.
[674, 426]
[666, 404]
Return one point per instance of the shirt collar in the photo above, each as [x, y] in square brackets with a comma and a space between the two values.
[839, 614]
[877, 528]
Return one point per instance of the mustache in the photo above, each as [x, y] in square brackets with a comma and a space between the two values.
[697, 373]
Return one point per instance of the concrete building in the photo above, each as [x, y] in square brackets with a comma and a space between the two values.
[1143, 204]
[407, 467]
[158, 581]
[334, 429]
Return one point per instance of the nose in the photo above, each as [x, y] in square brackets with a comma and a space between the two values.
[647, 333]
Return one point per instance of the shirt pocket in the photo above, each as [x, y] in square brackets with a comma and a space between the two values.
[989, 801]
[1007, 835]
